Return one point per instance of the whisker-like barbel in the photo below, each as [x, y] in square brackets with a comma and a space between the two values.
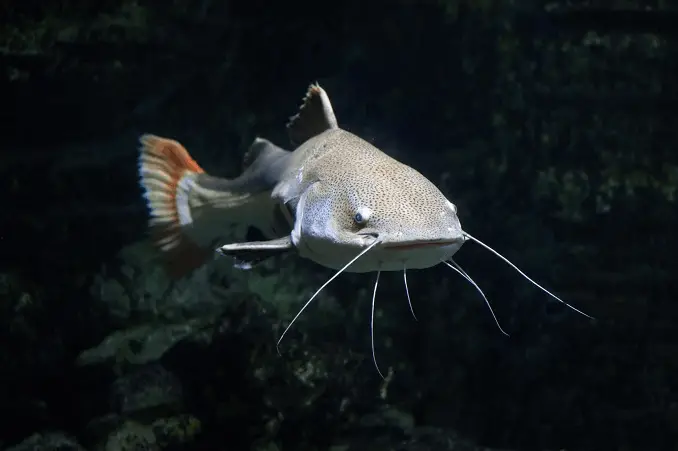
[407, 291]
[374, 353]
[507, 261]
[363, 252]
[455, 266]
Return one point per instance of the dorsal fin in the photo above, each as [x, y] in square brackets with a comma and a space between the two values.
[314, 117]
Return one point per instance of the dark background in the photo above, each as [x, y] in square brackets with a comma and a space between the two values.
[552, 126]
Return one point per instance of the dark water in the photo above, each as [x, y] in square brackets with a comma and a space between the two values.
[552, 128]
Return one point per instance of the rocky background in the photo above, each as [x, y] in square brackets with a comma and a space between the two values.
[552, 126]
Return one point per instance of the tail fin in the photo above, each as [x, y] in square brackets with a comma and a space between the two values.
[167, 175]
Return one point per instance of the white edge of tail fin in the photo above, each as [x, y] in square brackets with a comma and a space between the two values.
[167, 175]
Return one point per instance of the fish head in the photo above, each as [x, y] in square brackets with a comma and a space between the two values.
[415, 225]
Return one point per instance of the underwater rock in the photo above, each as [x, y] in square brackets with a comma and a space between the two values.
[174, 431]
[138, 290]
[389, 417]
[116, 433]
[417, 439]
[142, 344]
[152, 313]
[163, 433]
[131, 436]
[389, 428]
[147, 392]
[48, 441]
[103, 426]
[148, 413]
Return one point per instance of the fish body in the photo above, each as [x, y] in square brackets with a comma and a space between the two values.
[328, 199]
[335, 199]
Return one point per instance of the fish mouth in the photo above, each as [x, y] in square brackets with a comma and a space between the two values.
[420, 244]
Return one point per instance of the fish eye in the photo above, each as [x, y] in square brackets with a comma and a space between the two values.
[362, 215]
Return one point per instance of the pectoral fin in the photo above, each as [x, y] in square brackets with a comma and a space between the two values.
[247, 255]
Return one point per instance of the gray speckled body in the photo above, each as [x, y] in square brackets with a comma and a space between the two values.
[331, 197]
[335, 174]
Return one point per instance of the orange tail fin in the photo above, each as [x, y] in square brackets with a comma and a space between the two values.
[167, 173]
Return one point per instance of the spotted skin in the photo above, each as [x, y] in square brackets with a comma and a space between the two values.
[336, 174]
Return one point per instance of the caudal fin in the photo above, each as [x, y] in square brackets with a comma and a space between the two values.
[167, 174]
